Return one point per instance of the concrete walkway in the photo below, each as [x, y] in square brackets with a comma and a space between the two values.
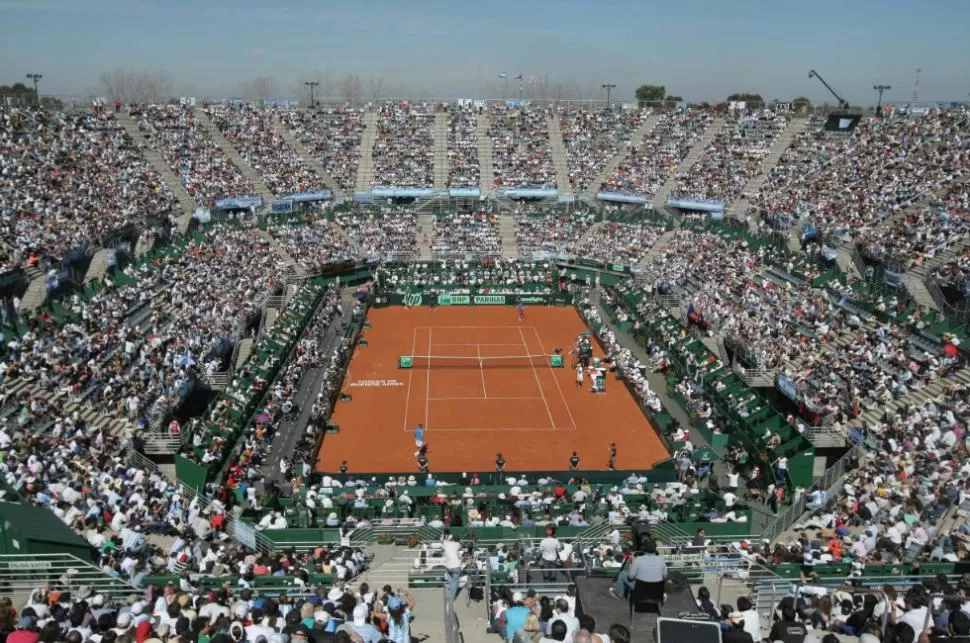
[290, 432]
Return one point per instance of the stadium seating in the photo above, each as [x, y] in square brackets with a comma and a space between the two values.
[202, 340]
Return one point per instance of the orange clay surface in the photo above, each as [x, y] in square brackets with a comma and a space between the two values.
[533, 414]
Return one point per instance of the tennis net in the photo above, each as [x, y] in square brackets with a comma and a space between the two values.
[474, 361]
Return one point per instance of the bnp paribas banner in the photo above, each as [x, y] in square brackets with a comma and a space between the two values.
[418, 299]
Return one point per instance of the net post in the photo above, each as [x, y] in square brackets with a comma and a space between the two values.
[556, 361]
[405, 361]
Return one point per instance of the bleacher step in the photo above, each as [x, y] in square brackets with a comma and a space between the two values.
[660, 198]
[558, 152]
[646, 127]
[486, 170]
[365, 167]
[304, 153]
[441, 165]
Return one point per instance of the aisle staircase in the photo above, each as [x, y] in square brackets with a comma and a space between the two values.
[425, 236]
[645, 128]
[844, 259]
[246, 346]
[36, 293]
[307, 157]
[506, 231]
[155, 159]
[441, 165]
[145, 244]
[925, 393]
[657, 248]
[98, 267]
[121, 428]
[288, 260]
[756, 182]
[915, 282]
[365, 168]
[21, 574]
[486, 169]
[558, 151]
[244, 166]
[660, 198]
[591, 232]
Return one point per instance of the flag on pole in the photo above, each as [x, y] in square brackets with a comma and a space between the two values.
[503, 75]
[519, 77]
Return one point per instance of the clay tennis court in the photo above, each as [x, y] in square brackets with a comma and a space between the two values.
[477, 392]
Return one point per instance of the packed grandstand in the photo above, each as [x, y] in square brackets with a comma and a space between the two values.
[188, 284]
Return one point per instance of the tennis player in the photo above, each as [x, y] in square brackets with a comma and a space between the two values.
[579, 376]
[521, 309]
[418, 439]
[612, 463]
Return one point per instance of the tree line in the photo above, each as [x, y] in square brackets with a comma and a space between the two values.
[657, 94]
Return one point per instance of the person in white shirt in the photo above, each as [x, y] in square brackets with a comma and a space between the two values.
[915, 615]
[562, 614]
[752, 620]
[549, 548]
[452, 554]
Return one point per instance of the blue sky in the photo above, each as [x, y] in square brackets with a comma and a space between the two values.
[701, 49]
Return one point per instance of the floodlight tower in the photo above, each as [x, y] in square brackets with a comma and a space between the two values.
[608, 87]
[35, 78]
[310, 84]
[880, 89]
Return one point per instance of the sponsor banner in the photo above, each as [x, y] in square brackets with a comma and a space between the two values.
[282, 206]
[310, 196]
[489, 299]
[376, 384]
[448, 299]
[680, 559]
[240, 203]
[29, 564]
[453, 300]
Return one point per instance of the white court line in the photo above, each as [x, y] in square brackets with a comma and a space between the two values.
[445, 399]
[556, 380]
[492, 430]
[535, 373]
[427, 390]
[442, 327]
[481, 344]
[407, 400]
[481, 370]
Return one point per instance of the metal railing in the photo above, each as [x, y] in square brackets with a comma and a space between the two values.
[756, 376]
[959, 312]
[830, 480]
[452, 626]
[244, 533]
[23, 573]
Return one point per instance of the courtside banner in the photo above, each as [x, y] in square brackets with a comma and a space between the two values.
[447, 299]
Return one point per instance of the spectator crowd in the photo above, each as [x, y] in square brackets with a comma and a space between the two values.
[67, 179]
[253, 131]
[205, 170]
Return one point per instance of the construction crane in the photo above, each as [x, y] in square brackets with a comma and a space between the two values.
[844, 104]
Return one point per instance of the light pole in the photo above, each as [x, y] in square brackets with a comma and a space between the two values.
[608, 87]
[35, 78]
[880, 89]
[310, 84]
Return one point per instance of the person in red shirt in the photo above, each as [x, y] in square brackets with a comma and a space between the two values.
[26, 631]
